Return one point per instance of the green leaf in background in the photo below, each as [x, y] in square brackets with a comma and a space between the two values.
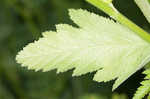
[119, 96]
[144, 89]
[99, 44]
[92, 96]
[144, 5]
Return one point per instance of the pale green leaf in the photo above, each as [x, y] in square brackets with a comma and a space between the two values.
[99, 44]
[144, 5]
[144, 89]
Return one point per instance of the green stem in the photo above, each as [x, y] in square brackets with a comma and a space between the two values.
[107, 7]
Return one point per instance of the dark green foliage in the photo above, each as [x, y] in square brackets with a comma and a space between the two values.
[22, 21]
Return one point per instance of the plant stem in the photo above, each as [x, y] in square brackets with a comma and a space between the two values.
[107, 7]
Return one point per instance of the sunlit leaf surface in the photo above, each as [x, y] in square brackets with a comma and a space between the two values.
[99, 44]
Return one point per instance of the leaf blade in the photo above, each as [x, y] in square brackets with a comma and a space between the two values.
[99, 44]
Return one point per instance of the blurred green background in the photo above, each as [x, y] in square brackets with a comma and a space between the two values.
[23, 21]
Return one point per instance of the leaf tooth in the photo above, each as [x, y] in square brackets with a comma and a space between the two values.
[102, 75]
[51, 64]
[80, 17]
[84, 70]
[49, 34]
[67, 63]
[89, 65]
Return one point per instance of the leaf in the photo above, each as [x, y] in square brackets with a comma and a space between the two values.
[99, 44]
[119, 96]
[144, 89]
[144, 5]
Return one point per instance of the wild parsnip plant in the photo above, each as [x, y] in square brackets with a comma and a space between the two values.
[115, 50]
